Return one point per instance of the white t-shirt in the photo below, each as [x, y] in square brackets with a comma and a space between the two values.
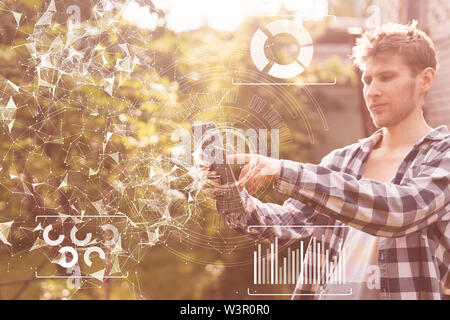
[362, 275]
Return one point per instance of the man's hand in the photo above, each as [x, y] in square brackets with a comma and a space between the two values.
[258, 169]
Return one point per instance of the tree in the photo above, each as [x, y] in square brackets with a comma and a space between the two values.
[92, 134]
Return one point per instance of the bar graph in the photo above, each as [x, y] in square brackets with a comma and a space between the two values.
[315, 266]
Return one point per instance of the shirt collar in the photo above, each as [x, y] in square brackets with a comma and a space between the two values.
[439, 133]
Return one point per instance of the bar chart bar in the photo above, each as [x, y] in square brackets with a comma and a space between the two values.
[289, 266]
[276, 260]
[271, 263]
[323, 257]
[307, 266]
[318, 263]
[302, 275]
[314, 261]
[255, 268]
[310, 274]
[259, 263]
[293, 268]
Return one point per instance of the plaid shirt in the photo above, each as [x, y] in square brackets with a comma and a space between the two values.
[410, 215]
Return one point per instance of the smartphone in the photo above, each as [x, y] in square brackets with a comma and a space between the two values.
[209, 147]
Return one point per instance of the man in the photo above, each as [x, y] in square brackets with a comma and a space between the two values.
[385, 199]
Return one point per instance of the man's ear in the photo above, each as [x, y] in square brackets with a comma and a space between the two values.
[427, 79]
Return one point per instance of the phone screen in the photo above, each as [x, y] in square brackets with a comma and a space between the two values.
[209, 148]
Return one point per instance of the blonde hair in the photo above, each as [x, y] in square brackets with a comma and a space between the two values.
[411, 43]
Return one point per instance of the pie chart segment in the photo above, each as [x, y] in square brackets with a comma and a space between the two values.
[286, 71]
[305, 55]
[257, 49]
[283, 71]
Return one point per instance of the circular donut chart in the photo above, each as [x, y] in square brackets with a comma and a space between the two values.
[282, 71]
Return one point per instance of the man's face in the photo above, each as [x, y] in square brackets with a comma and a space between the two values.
[390, 89]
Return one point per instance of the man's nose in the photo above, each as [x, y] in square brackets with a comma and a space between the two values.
[373, 90]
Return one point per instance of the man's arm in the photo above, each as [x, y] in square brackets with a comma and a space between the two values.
[276, 217]
[381, 209]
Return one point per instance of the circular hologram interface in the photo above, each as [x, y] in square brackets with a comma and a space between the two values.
[282, 71]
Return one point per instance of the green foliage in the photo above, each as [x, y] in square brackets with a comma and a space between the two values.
[60, 130]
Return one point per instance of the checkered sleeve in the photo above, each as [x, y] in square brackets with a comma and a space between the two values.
[268, 220]
[381, 209]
